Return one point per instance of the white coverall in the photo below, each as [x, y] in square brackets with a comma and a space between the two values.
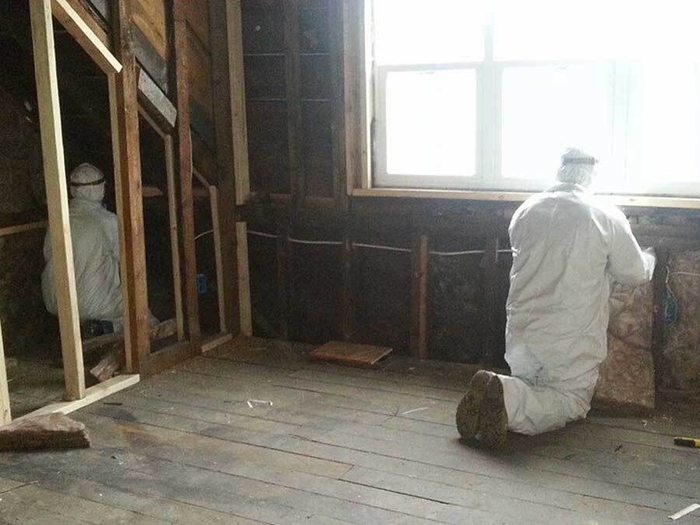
[566, 247]
[95, 239]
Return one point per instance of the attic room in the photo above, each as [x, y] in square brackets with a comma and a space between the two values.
[311, 212]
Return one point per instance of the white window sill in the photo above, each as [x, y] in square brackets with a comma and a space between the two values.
[515, 197]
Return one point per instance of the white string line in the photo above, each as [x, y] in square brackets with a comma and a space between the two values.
[372, 246]
[203, 234]
[261, 234]
[691, 274]
[380, 247]
[320, 243]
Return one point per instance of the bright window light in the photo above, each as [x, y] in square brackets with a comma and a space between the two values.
[549, 108]
[431, 123]
[486, 94]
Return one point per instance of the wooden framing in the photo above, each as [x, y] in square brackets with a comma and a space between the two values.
[419, 297]
[85, 36]
[57, 196]
[214, 194]
[240, 156]
[185, 171]
[5, 412]
[172, 218]
[127, 158]
[93, 394]
[21, 228]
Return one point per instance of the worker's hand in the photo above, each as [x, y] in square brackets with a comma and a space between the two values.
[651, 252]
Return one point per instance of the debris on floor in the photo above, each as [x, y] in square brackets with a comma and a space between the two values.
[51, 431]
[685, 511]
[365, 356]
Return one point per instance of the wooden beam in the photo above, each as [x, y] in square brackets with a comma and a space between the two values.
[240, 156]
[127, 181]
[92, 394]
[237, 80]
[85, 36]
[216, 225]
[419, 297]
[157, 102]
[186, 207]
[21, 228]
[5, 413]
[355, 87]
[216, 342]
[658, 330]
[297, 182]
[245, 309]
[174, 236]
[57, 196]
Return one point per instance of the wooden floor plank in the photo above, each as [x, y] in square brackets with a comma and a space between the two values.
[200, 444]
[495, 486]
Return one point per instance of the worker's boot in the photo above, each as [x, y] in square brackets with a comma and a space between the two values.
[470, 407]
[493, 418]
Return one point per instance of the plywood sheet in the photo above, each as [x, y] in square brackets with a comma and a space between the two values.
[350, 354]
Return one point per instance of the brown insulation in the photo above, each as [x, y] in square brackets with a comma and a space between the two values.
[626, 381]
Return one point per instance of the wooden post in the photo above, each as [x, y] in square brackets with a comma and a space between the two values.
[57, 196]
[240, 156]
[185, 170]
[174, 236]
[348, 299]
[216, 226]
[226, 183]
[658, 331]
[419, 297]
[5, 413]
[123, 93]
[283, 262]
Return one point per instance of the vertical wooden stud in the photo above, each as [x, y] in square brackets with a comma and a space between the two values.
[216, 226]
[186, 206]
[174, 235]
[123, 92]
[226, 184]
[240, 157]
[57, 196]
[419, 297]
[5, 413]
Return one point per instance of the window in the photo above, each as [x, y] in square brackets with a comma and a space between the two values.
[486, 94]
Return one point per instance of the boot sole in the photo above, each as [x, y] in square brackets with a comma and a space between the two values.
[469, 409]
[493, 419]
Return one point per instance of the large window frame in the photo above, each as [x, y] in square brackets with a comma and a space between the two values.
[367, 175]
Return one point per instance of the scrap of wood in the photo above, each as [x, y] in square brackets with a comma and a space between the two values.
[21, 228]
[350, 354]
[109, 365]
[52, 431]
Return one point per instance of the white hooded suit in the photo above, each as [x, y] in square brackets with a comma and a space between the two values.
[566, 247]
[95, 239]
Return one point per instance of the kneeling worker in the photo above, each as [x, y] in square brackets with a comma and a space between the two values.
[566, 245]
[95, 239]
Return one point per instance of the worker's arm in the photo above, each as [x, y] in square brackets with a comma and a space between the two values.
[627, 262]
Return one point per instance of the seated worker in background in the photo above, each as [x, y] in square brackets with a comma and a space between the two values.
[566, 245]
[95, 237]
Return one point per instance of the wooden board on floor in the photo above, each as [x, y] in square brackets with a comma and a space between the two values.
[350, 354]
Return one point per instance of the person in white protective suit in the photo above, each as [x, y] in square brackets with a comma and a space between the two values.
[567, 246]
[95, 239]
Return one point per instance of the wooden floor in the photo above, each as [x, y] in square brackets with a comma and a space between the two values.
[257, 434]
